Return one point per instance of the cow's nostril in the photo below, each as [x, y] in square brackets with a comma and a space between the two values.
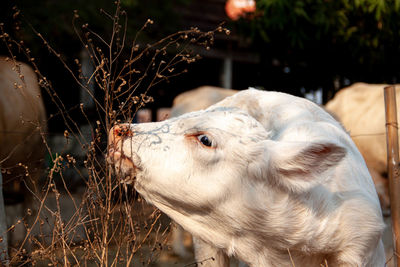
[117, 131]
[122, 130]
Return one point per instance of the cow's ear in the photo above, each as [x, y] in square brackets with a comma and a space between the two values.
[298, 166]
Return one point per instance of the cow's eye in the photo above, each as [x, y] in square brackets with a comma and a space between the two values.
[205, 140]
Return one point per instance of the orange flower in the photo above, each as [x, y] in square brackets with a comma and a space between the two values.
[238, 8]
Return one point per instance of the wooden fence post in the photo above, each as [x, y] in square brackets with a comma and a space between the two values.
[393, 166]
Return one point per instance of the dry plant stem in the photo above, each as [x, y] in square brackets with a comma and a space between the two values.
[37, 124]
[42, 202]
[104, 222]
[41, 205]
[43, 80]
[128, 211]
[104, 256]
[291, 259]
[116, 24]
[61, 225]
[325, 264]
[16, 147]
[149, 231]
[65, 65]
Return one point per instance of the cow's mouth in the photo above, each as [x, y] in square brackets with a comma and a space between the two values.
[124, 167]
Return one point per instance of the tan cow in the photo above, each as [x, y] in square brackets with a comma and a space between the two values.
[22, 118]
[199, 98]
[360, 108]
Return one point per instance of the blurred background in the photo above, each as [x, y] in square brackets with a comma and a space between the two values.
[301, 47]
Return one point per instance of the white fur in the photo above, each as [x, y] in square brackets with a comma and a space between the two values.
[361, 109]
[283, 176]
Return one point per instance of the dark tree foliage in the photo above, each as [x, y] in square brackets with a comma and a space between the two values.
[301, 43]
[356, 39]
[53, 19]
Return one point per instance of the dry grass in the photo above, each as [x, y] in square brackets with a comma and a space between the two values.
[105, 225]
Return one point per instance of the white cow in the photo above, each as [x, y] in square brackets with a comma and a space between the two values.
[194, 100]
[264, 176]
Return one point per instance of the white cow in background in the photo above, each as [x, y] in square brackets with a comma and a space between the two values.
[263, 176]
[361, 109]
[22, 117]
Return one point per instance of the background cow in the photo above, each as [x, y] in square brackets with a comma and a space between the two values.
[199, 98]
[22, 120]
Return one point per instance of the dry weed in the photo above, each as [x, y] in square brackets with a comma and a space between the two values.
[105, 223]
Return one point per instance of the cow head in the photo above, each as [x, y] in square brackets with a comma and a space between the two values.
[202, 159]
